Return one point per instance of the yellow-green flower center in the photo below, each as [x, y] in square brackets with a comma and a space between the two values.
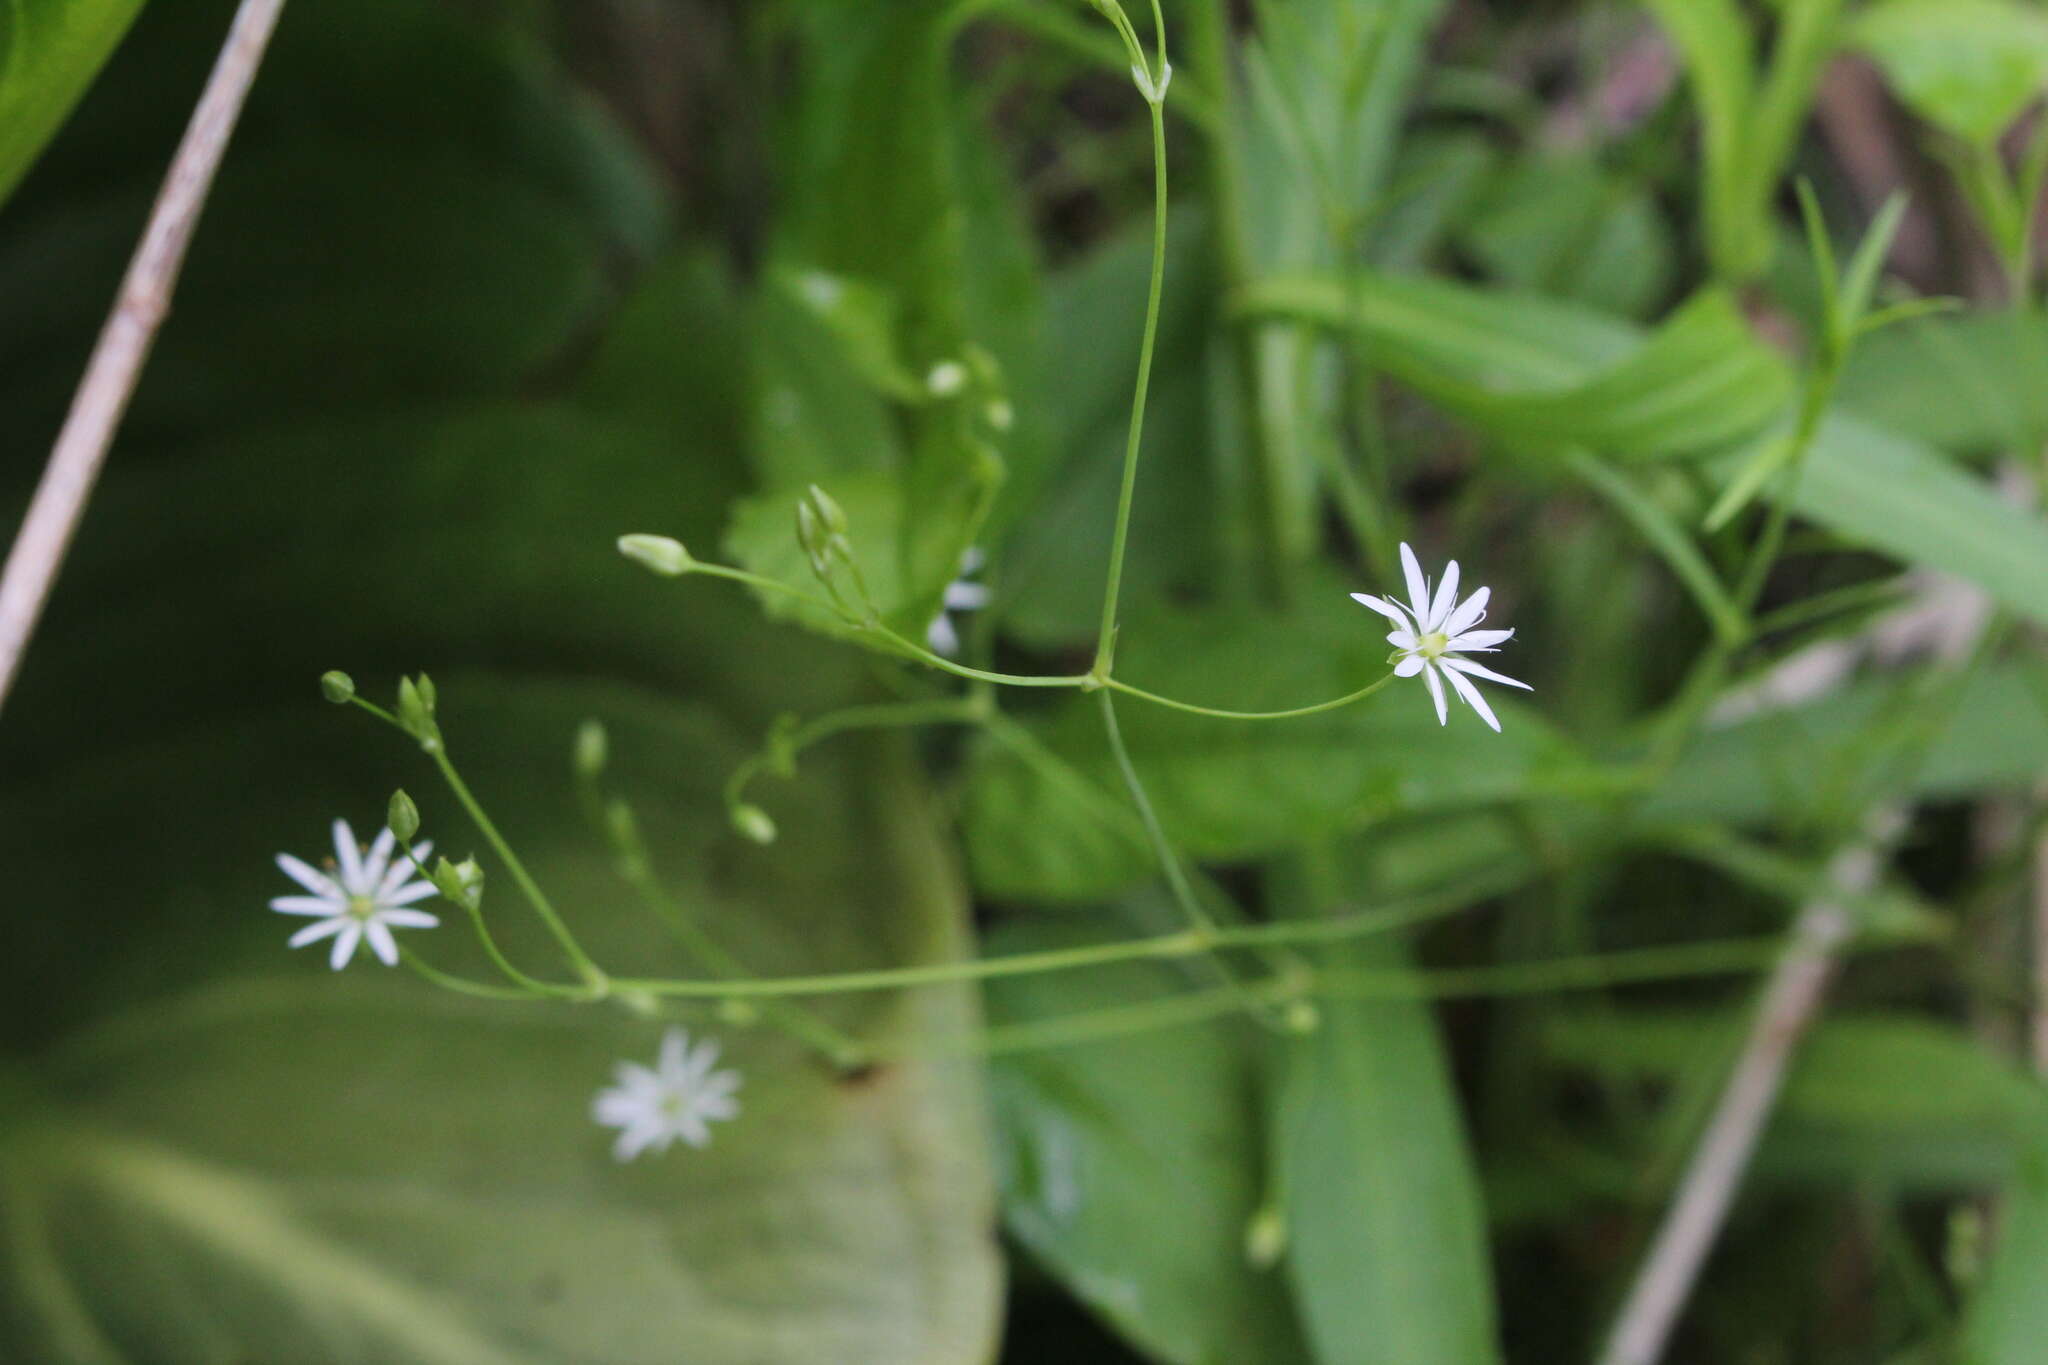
[1433, 644]
[362, 907]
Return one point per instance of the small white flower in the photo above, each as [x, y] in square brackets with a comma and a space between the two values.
[1434, 629]
[677, 1099]
[961, 595]
[363, 900]
[947, 378]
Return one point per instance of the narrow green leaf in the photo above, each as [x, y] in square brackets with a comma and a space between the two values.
[2007, 1319]
[1543, 376]
[1386, 1232]
[1131, 1166]
[1669, 540]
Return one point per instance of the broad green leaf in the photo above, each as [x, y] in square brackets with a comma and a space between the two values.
[1561, 226]
[1543, 376]
[1995, 735]
[1891, 1099]
[49, 52]
[1968, 66]
[1131, 1166]
[1057, 556]
[255, 1154]
[1043, 824]
[1958, 383]
[2007, 1318]
[1386, 1233]
[409, 211]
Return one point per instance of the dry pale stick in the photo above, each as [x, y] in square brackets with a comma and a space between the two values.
[1787, 1007]
[124, 343]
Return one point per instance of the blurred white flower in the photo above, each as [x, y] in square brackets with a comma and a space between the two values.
[677, 1099]
[1433, 629]
[961, 595]
[362, 901]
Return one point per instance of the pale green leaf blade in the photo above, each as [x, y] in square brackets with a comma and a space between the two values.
[49, 52]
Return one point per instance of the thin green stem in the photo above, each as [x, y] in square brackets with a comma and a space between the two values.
[1118, 685]
[594, 979]
[1105, 640]
[969, 710]
[527, 985]
[462, 984]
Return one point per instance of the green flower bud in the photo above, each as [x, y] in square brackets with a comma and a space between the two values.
[662, 554]
[337, 686]
[754, 823]
[416, 712]
[830, 512]
[811, 534]
[428, 695]
[1265, 1238]
[1301, 1016]
[593, 748]
[402, 816]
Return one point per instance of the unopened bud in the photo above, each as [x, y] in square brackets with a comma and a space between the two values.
[593, 748]
[1301, 1016]
[337, 686]
[830, 512]
[947, 378]
[754, 823]
[1000, 414]
[1265, 1238]
[416, 712]
[663, 554]
[402, 817]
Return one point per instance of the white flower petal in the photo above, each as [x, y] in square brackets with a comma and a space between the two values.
[1446, 595]
[1436, 694]
[1478, 640]
[962, 596]
[313, 933]
[691, 1129]
[349, 859]
[409, 919]
[675, 1054]
[401, 868]
[381, 942]
[406, 895]
[308, 905]
[1408, 665]
[1385, 608]
[1474, 700]
[378, 860]
[633, 1141]
[319, 883]
[940, 637]
[345, 944]
[1470, 613]
[1402, 639]
[718, 1107]
[1418, 586]
[1477, 671]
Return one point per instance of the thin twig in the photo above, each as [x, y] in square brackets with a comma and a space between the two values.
[124, 343]
[1789, 1003]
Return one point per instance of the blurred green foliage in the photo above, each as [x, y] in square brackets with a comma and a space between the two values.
[485, 284]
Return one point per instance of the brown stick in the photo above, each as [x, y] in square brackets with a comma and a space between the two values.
[1789, 1002]
[123, 346]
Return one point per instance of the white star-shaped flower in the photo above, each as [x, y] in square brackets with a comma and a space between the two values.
[1434, 629]
[364, 899]
[677, 1099]
[961, 595]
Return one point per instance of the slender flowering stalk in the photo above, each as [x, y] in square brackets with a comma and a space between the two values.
[1433, 629]
[961, 595]
[362, 901]
[678, 1098]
